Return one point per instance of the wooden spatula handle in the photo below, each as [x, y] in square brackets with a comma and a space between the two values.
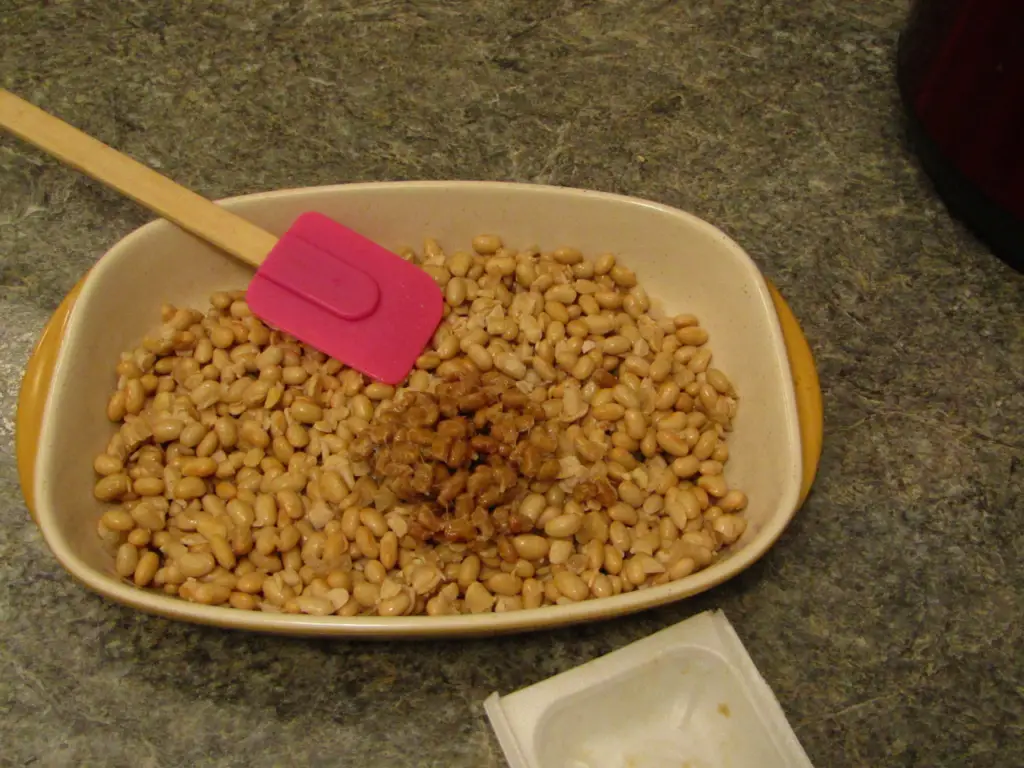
[231, 233]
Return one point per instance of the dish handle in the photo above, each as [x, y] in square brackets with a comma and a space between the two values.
[35, 387]
[808, 391]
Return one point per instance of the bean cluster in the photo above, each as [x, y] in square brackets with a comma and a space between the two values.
[560, 439]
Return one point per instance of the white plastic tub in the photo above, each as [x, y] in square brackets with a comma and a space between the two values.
[686, 696]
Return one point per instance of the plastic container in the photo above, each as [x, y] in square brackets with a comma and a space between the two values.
[688, 696]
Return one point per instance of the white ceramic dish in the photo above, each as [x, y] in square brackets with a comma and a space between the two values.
[683, 261]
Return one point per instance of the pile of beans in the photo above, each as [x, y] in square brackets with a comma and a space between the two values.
[558, 440]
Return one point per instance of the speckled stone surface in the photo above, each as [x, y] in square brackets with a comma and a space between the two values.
[887, 619]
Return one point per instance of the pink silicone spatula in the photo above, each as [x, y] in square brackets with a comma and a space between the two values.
[321, 282]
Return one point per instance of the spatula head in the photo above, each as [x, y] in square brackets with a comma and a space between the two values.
[348, 297]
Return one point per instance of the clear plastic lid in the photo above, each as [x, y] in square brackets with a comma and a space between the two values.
[688, 696]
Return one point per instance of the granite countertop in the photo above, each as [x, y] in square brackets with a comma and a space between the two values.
[887, 619]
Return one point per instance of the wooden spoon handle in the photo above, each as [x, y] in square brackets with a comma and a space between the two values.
[231, 233]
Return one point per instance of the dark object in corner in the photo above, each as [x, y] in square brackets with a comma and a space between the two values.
[960, 70]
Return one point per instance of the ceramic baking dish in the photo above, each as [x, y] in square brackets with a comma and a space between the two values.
[686, 263]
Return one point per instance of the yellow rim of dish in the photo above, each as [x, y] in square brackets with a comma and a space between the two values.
[35, 385]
